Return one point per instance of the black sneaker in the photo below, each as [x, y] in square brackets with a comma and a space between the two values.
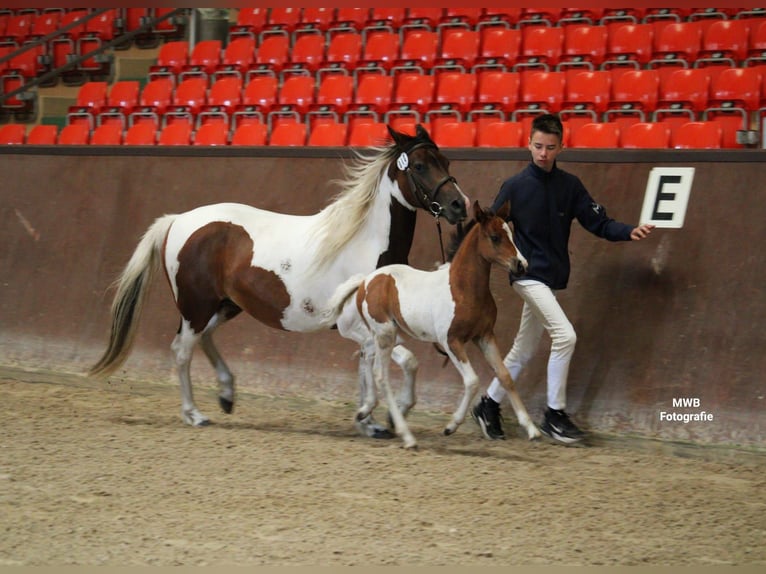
[487, 415]
[558, 426]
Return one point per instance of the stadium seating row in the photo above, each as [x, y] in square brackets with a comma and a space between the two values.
[690, 135]
[735, 95]
[731, 43]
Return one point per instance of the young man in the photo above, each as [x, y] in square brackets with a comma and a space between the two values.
[544, 201]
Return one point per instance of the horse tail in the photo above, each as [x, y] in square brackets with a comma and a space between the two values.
[131, 287]
[338, 300]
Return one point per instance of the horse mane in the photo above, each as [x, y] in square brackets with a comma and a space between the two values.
[457, 237]
[347, 212]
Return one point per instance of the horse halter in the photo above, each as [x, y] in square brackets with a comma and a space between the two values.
[419, 190]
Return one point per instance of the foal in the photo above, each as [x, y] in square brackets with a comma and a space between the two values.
[451, 306]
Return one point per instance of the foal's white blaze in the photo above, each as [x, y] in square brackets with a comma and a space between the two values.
[519, 255]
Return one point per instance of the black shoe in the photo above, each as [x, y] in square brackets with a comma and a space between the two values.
[556, 425]
[487, 415]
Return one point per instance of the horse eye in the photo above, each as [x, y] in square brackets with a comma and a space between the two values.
[495, 239]
[418, 166]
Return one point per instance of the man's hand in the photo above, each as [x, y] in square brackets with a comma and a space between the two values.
[641, 231]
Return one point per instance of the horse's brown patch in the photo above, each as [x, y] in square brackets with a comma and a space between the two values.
[382, 299]
[215, 272]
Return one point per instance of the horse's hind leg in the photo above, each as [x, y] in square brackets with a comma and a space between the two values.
[183, 347]
[384, 346]
[222, 372]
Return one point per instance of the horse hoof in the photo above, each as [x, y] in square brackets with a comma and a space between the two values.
[226, 405]
[202, 423]
[382, 433]
[448, 431]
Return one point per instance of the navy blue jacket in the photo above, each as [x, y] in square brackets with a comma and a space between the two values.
[543, 205]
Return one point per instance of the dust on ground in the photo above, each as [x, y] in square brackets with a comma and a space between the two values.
[97, 473]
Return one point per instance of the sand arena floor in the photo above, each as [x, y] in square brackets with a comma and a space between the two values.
[95, 473]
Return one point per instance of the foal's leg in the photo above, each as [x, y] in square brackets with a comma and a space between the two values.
[408, 363]
[488, 346]
[183, 346]
[459, 357]
[384, 347]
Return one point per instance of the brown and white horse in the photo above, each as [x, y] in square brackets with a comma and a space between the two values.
[450, 306]
[224, 258]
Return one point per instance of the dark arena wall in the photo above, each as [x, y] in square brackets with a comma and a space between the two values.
[667, 327]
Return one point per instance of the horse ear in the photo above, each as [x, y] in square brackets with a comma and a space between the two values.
[396, 136]
[505, 210]
[478, 212]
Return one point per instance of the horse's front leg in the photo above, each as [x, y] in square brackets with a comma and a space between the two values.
[183, 346]
[457, 354]
[489, 348]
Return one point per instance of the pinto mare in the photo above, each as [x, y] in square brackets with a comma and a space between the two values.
[450, 306]
[281, 269]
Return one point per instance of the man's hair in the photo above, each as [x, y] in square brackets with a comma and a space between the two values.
[548, 124]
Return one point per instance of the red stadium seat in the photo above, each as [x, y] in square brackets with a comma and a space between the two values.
[698, 135]
[188, 99]
[262, 92]
[122, 99]
[392, 17]
[297, 92]
[498, 90]
[12, 134]
[253, 134]
[459, 47]
[540, 48]
[283, 19]
[455, 90]
[499, 48]
[288, 134]
[107, 134]
[375, 92]
[381, 49]
[419, 49]
[171, 59]
[756, 52]
[204, 59]
[211, 134]
[499, 134]
[413, 91]
[366, 134]
[144, 133]
[600, 135]
[74, 134]
[540, 92]
[350, 18]
[155, 98]
[628, 45]
[308, 52]
[455, 134]
[238, 58]
[176, 134]
[725, 42]
[676, 44]
[272, 54]
[684, 92]
[634, 93]
[249, 22]
[335, 93]
[654, 135]
[584, 47]
[43, 134]
[343, 51]
[328, 134]
[587, 93]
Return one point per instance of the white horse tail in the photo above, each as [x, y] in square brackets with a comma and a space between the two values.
[338, 300]
[131, 291]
